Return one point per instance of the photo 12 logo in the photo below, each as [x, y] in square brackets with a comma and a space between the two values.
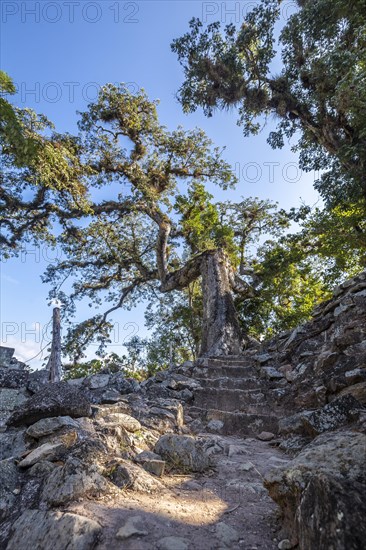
[70, 12]
[68, 91]
[235, 12]
[39, 333]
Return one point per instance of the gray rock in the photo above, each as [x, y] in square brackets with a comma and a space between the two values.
[38, 380]
[226, 534]
[9, 482]
[358, 391]
[285, 544]
[47, 451]
[12, 444]
[122, 384]
[338, 413]
[124, 420]
[76, 381]
[72, 481]
[132, 527]
[11, 398]
[110, 395]
[153, 466]
[58, 399]
[97, 381]
[173, 543]
[266, 436]
[293, 424]
[6, 355]
[47, 426]
[13, 378]
[215, 425]
[127, 475]
[41, 469]
[271, 373]
[36, 529]
[263, 358]
[321, 492]
[184, 451]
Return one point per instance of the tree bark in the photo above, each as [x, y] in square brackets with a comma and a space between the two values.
[54, 365]
[221, 334]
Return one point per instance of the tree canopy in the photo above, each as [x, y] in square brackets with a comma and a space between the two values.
[319, 95]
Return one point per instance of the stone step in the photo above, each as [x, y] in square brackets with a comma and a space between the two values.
[235, 423]
[231, 383]
[234, 400]
[225, 372]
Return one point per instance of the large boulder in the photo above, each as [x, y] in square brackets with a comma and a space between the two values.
[322, 493]
[72, 481]
[184, 452]
[37, 529]
[58, 399]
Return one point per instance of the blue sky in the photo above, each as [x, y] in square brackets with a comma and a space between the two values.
[59, 53]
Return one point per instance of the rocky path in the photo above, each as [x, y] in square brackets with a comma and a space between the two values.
[226, 507]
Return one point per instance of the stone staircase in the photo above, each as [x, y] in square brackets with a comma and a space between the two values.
[235, 396]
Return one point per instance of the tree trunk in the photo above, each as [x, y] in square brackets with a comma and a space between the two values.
[54, 365]
[221, 334]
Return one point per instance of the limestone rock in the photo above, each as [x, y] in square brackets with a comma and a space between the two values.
[41, 469]
[266, 436]
[47, 451]
[127, 475]
[10, 399]
[124, 420]
[38, 380]
[338, 413]
[37, 529]
[184, 451]
[133, 526]
[321, 492]
[12, 444]
[13, 378]
[72, 481]
[9, 482]
[271, 373]
[47, 426]
[151, 462]
[97, 381]
[58, 399]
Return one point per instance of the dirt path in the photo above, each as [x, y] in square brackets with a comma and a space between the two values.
[227, 507]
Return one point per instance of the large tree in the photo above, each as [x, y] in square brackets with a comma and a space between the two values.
[155, 229]
[319, 95]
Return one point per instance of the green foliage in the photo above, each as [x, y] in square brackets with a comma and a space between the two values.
[200, 221]
[42, 174]
[319, 95]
